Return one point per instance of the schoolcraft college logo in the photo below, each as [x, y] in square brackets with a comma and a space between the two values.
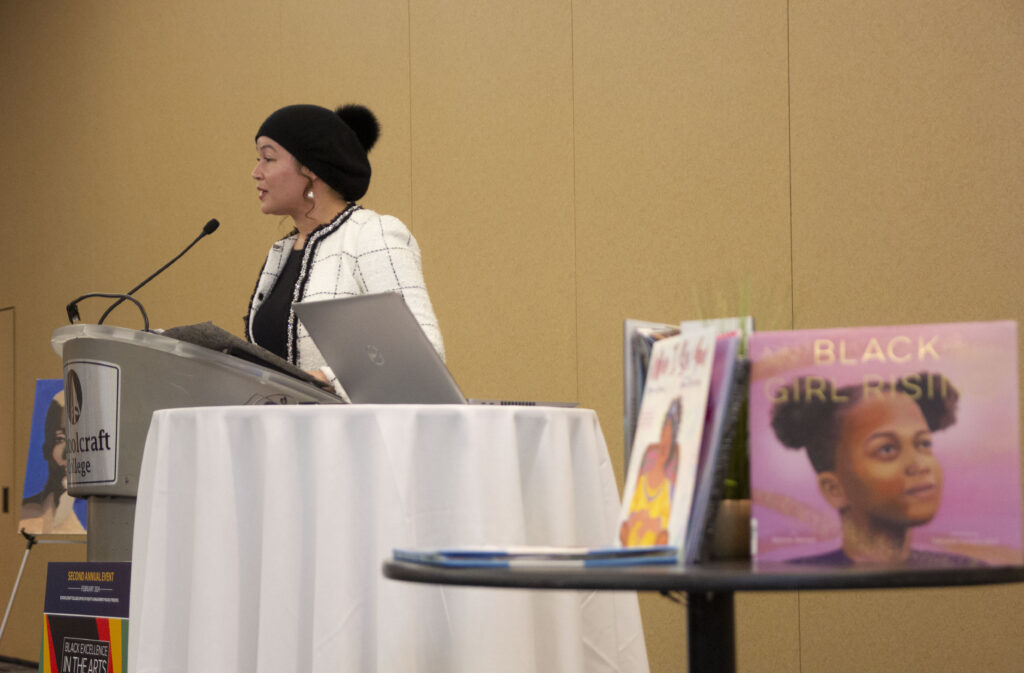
[73, 386]
[93, 400]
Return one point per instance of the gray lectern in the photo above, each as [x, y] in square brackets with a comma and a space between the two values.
[114, 379]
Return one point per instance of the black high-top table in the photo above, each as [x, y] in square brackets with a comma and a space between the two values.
[709, 588]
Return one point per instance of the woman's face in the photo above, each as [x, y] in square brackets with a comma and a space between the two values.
[884, 462]
[666, 435]
[280, 183]
[60, 447]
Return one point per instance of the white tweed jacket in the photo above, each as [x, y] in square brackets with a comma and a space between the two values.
[359, 252]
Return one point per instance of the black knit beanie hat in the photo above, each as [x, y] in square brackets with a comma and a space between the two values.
[331, 144]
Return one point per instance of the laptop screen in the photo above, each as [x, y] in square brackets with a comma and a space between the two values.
[378, 350]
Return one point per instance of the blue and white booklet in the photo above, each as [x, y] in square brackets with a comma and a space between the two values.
[528, 556]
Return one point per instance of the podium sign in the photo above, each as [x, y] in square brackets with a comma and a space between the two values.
[93, 393]
[85, 620]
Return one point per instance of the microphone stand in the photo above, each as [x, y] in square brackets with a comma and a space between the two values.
[74, 317]
[72, 308]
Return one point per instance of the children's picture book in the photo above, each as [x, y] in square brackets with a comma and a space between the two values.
[886, 445]
[725, 399]
[662, 471]
[638, 338]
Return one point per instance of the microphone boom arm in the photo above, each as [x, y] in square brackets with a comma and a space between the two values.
[128, 295]
[209, 228]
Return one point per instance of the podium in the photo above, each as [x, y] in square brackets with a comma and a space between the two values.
[114, 379]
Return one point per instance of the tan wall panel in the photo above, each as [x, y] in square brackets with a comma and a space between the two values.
[681, 178]
[680, 124]
[767, 637]
[907, 157]
[352, 52]
[8, 452]
[169, 100]
[492, 190]
[892, 631]
[139, 155]
[907, 206]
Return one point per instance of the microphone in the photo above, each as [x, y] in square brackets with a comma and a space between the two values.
[72, 308]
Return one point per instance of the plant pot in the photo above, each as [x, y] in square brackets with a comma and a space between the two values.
[731, 537]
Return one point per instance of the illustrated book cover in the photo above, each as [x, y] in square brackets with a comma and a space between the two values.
[886, 444]
[662, 470]
[638, 338]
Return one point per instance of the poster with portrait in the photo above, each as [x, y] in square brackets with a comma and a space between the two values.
[886, 444]
[46, 507]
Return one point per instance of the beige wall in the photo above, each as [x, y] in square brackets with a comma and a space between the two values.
[564, 166]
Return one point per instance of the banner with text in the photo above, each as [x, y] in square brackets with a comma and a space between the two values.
[85, 620]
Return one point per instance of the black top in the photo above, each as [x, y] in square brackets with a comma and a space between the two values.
[718, 576]
[270, 324]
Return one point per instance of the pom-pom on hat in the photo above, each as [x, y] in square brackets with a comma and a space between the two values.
[331, 144]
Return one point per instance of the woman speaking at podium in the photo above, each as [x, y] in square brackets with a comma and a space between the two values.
[312, 166]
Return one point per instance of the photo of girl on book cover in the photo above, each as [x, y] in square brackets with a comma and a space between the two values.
[651, 505]
[865, 457]
[875, 464]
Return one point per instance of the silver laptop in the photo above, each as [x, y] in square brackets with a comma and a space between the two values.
[378, 350]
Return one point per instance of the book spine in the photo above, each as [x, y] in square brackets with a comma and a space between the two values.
[734, 406]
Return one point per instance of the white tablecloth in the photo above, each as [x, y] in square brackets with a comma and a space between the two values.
[260, 532]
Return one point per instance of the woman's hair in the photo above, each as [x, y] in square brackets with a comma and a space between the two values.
[673, 417]
[55, 471]
[812, 421]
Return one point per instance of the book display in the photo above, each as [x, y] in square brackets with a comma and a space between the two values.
[880, 445]
[886, 444]
[638, 339]
[880, 458]
[726, 393]
[688, 382]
